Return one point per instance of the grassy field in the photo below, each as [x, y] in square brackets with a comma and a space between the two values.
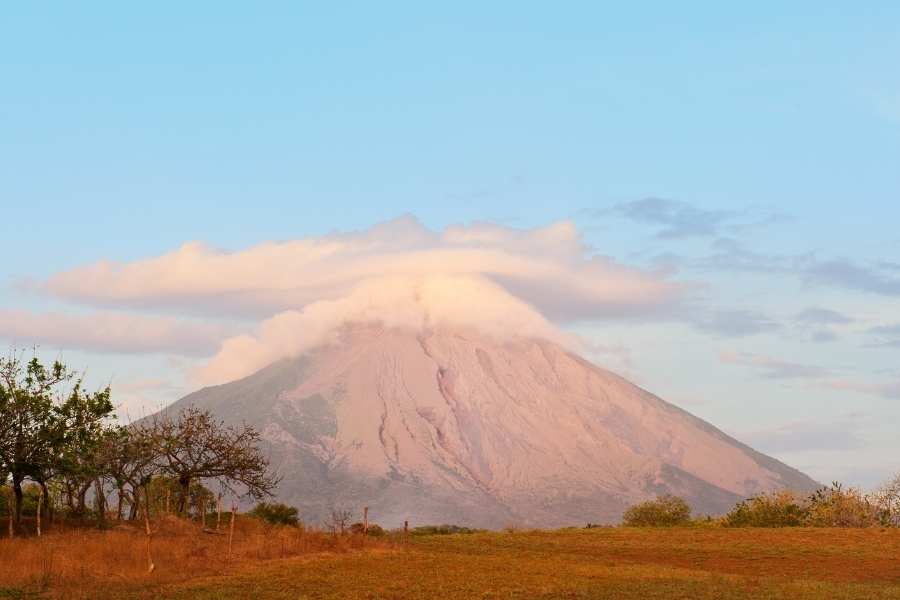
[594, 563]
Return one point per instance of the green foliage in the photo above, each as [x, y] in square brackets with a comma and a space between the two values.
[275, 513]
[442, 530]
[665, 511]
[779, 509]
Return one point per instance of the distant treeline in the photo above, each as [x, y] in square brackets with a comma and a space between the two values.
[61, 448]
[834, 506]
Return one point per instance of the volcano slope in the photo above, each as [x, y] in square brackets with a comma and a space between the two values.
[453, 426]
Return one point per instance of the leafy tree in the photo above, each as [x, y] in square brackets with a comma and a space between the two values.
[195, 446]
[275, 513]
[82, 436]
[29, 427]
[126, 456]
[664, 511]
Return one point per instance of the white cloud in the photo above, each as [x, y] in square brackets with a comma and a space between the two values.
[112, 332]
[419, 303]
[501, 280]
[549, 268]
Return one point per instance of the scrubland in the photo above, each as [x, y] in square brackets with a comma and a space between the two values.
[603, 562]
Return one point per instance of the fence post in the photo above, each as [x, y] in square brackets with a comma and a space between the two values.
[218, 511]
[150, 566]
[231, 529]
[365, 520]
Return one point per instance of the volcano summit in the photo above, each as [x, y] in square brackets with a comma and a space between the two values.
[452, 425]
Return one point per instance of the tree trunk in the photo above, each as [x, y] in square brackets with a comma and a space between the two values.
[134, 510]
[17, 491]
[120, 489]
[135, 503]
[185, 483]
[81, 498]
[48, 504]
[101, 503]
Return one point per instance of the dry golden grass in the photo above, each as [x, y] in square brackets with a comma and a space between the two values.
[84, 562]
[620, 563]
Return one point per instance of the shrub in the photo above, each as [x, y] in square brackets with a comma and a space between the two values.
[887, 499]
[275, 513]
[665, 511]
[841, 507]
[779, 509]
[442, 530]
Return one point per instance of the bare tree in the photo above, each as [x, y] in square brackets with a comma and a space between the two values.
[194, 446]
[340, 519]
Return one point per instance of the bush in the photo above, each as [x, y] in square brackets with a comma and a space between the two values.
[887, 499]
[779, 509]
[665, 511]
[374, 530]
[840, 507]
[275, 513]
[441, 530]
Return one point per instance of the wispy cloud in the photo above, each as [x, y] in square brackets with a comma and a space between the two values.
[774, 368]
[885, 335]
[675, 219]
[113, 332]
[818, 324]
[847, 274]
[821, 316]
[805, 436]
[889, 390]
[731, 255]
[735, 323]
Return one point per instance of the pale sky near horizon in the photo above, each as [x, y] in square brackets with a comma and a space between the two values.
[750, 154]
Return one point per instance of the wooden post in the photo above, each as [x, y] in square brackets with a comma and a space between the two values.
[168, 494]
[218, 511]
[231, 529]
[150, 566]
[39, 508]
[405, 531]
[365, 520]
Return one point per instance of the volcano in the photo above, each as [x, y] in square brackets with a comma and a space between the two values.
[455, 426]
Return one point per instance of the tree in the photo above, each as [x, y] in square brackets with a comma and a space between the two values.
[275, 513]
[127, 458]
[194, 446]
[81, 436]
[665, 511]
[340, 520]
[29, 428]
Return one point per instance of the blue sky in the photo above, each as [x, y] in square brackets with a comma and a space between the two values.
[768, 135]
